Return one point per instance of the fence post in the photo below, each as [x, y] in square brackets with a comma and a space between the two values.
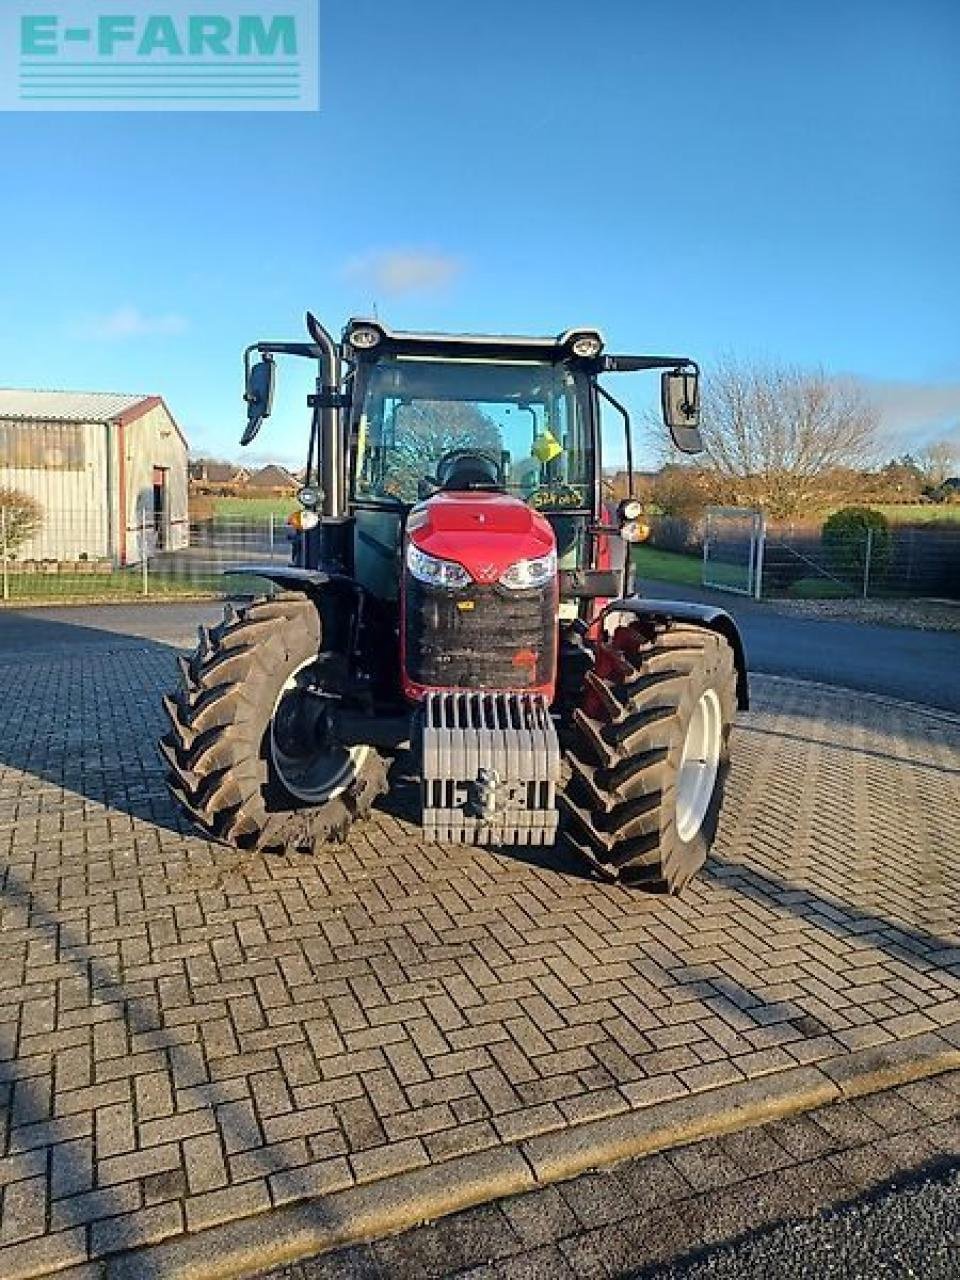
[706, 548]
[271, 536]
[3, 540]
[760, 529]
[866, 563]
[143, 554]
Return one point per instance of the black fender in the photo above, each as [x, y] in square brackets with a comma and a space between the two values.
[703, 615]
[339, 599]
[289, 576]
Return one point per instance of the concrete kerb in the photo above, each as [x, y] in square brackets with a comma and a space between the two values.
[394, 1204]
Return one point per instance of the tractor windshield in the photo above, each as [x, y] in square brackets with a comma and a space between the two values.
[529, 419]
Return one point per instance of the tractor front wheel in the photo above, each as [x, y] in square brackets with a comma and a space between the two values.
[648, 754]
[252, 750]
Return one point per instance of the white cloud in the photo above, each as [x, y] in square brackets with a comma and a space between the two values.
[398, 271]
[131, 322]
[913, 414]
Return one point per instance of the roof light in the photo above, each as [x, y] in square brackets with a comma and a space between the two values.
[587, 346]
[364, 338]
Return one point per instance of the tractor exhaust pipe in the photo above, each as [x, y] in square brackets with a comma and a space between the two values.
[332, 478]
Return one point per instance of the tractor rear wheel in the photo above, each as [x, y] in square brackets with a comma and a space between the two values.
[648, 754]
[251, 754]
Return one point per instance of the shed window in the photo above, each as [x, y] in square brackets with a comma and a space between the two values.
[42, 446]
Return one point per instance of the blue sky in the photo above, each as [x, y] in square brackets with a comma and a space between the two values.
[770, 179]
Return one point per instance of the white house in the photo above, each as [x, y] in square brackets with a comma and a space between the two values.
[109, 471]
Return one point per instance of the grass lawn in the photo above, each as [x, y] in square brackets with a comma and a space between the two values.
[254, 506]
[667, 566]
[673, 566]
[63, 588]
[921, 513]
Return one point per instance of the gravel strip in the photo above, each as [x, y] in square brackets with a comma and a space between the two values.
[923, 615]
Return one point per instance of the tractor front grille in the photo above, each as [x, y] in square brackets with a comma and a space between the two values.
[480, 637]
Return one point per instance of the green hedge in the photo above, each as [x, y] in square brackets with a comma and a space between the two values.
[845, 537]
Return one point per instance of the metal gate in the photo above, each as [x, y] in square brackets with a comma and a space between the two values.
[733, 541]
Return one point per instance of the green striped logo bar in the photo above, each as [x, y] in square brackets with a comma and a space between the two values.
[181, 55]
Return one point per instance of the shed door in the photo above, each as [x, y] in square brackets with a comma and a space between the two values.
[161, 509]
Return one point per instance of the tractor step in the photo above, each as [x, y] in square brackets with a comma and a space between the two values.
[491, 766]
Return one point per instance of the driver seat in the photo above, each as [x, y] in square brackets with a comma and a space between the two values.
[468, 471]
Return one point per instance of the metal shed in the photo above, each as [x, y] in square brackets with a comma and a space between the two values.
[108, 470]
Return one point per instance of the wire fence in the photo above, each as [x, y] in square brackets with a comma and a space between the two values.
[80, 556]
[77, 556]
[911, 562]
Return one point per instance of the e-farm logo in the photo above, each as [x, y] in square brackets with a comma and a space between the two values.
[135, 55]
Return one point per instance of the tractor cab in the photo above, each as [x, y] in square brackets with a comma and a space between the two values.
[423, 428]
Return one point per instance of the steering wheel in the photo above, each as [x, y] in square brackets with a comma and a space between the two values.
[468, 469]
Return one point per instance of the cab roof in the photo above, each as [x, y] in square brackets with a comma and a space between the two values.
[465, 345]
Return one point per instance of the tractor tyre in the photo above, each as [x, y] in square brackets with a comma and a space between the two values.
[648, 754]
[249, 751]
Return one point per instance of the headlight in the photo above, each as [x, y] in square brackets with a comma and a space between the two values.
[530, 573]
[309, 496]
[364, 338]
[587, 346]
[631, 509]
[434, 571]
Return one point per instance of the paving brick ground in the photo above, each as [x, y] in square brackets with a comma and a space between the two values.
[188, 1035]
[649, 1217]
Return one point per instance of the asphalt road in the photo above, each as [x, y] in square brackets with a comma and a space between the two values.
[908, 1231]
[920, 666]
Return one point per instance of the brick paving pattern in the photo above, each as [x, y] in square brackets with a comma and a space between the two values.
[189, 1035]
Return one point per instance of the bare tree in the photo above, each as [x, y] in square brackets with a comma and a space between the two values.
[777, 437]
[939, 461]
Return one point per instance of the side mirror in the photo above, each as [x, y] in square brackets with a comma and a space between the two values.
[680, 401]
[261, 379]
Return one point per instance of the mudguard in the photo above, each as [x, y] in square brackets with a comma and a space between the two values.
[289, 576]
[327, 592]
[703, 615]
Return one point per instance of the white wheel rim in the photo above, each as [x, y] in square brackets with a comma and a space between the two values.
[699, 765]
[321, 777]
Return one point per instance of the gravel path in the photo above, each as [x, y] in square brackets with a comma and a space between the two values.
[909, 1231]
[921, 615]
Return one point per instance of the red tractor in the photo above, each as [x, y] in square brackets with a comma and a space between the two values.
[461, 590]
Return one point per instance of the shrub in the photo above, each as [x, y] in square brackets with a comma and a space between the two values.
[676, 533]
[680, 491]
[845, 536]
[22, 517]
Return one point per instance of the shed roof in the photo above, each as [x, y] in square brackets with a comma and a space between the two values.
[66, 406]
